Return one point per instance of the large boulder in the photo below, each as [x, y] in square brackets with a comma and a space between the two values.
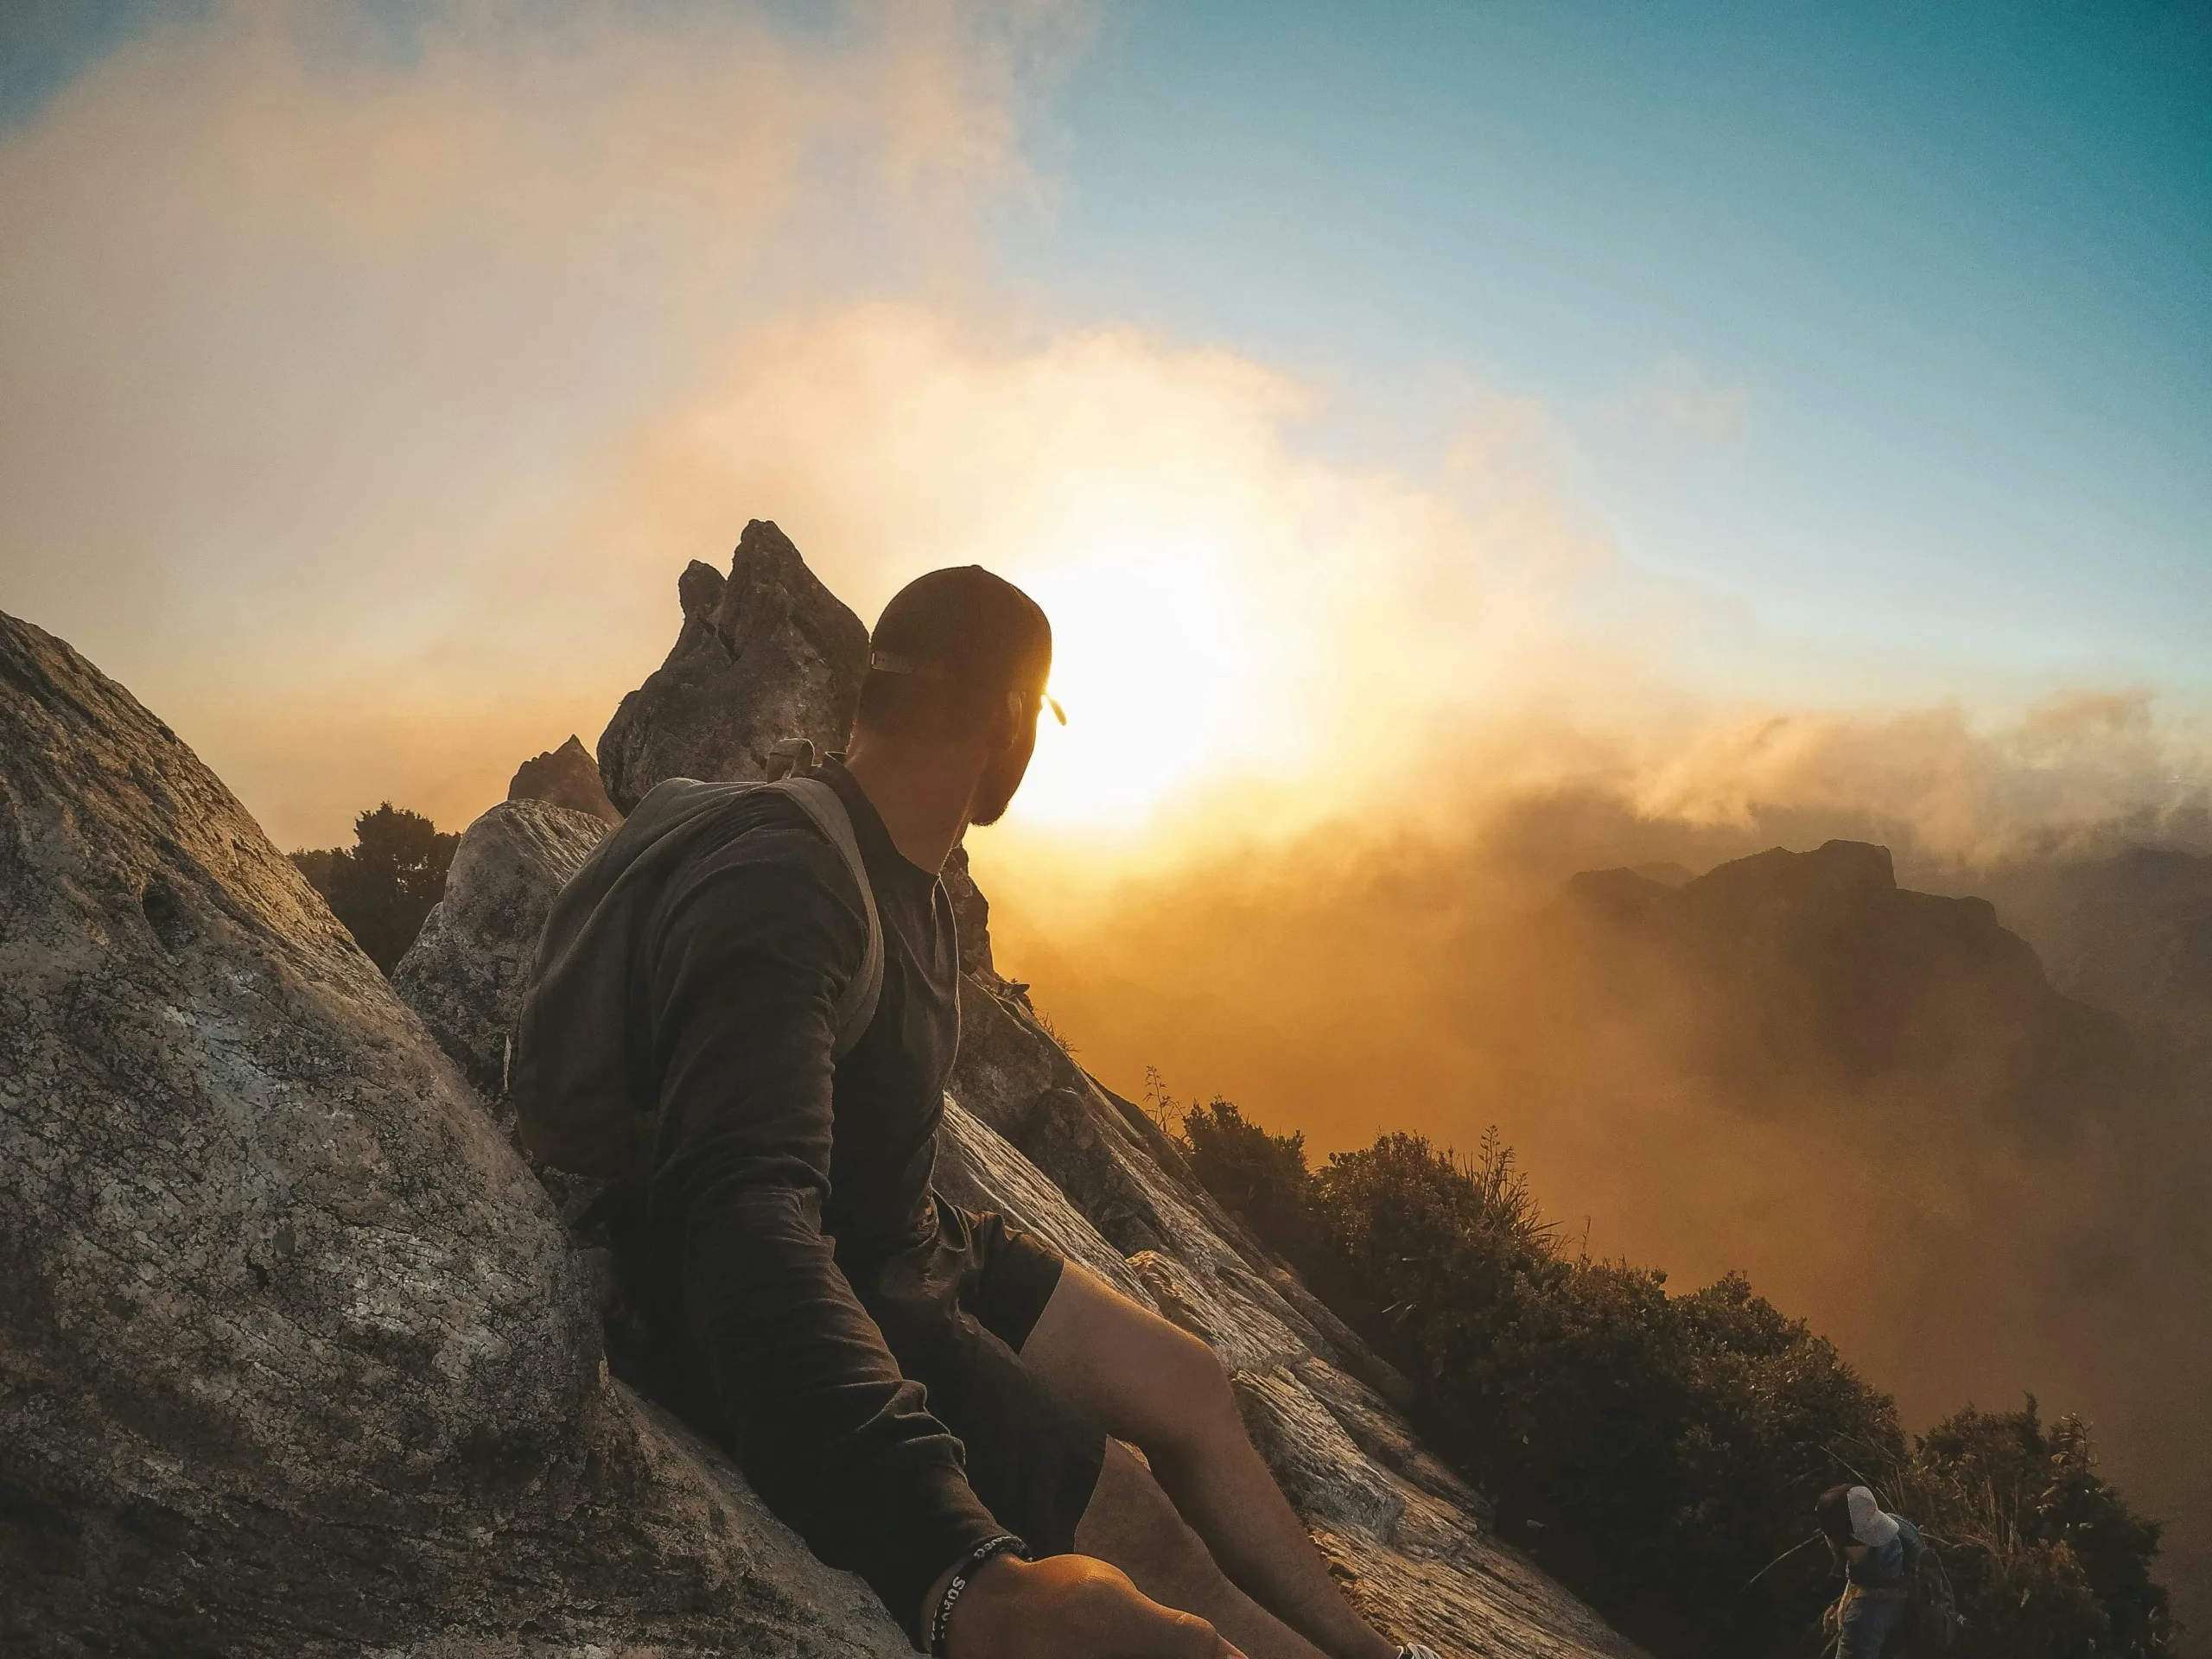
[765, 653]
[294, 1358]
[566, 777]
[464, 974]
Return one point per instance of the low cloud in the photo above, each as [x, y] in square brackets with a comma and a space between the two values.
[367, 382]
[307, 312]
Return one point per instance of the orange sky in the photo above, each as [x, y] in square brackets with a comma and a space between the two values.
[362, 405]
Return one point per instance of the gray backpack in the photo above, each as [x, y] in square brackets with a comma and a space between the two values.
[1934, 1622]
[577, 1079]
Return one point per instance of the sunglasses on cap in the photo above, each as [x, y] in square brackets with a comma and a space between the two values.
[891, 662]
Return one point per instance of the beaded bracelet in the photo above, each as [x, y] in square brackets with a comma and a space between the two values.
[1006, 1543]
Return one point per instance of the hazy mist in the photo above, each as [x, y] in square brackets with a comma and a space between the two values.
[1971, 1218]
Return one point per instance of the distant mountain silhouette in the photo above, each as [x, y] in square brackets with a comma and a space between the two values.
[1802, 975]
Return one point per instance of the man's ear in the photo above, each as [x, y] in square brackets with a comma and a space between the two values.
[1005, 722]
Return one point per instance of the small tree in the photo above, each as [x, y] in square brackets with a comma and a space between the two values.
[383, 885]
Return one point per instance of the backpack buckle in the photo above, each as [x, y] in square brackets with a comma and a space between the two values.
[792, 756]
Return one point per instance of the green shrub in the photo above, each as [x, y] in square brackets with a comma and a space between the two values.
[1259, 1178]
[1659, 1452]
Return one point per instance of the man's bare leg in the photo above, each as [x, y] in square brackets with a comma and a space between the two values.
[1156, 1386]
[1132, 1523]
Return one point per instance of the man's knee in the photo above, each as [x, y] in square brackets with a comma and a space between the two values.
[1131, 1523]
[1148, 1381]
[1197, 1404]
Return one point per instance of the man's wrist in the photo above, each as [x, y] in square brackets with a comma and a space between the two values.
[988, 1587]
[953, 1585]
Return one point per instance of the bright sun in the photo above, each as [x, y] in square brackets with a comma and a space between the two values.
[1153, 666]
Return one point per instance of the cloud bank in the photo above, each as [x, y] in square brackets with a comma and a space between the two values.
[367, 382]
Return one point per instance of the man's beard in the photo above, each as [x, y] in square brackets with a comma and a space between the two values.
[994, 789]
[993, 794]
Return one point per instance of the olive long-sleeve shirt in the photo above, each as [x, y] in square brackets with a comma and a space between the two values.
[779, 1166]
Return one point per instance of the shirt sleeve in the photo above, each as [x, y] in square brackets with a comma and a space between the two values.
[839, 1445]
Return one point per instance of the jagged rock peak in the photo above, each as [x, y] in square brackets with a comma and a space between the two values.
[765, 653]
[565, 777]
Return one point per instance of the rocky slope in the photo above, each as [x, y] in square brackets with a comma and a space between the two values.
[305, 1361]
[1030, 1134]
[296, 1358]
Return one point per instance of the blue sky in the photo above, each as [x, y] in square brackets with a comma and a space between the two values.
[1948, 269]
[1875, 342]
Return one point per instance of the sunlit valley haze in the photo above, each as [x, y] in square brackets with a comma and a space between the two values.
[1458, 448]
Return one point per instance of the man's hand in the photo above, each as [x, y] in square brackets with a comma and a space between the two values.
[1070, 1607]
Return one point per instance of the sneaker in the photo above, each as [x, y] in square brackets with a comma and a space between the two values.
[1414, 1650]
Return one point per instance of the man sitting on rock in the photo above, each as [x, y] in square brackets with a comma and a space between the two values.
[929, 1396]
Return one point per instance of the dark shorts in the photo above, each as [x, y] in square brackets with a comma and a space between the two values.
[956, 1311]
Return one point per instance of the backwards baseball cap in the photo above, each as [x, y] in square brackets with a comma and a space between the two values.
[1868, 1524]
[966, 626]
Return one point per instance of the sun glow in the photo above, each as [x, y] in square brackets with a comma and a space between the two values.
[1149, 655]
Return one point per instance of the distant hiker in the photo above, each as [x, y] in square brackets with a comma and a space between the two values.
[764, 980]
[1878, 1550]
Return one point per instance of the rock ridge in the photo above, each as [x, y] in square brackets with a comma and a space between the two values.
[1028, 1132]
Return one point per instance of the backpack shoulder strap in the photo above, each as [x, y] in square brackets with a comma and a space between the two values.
[820, 803]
